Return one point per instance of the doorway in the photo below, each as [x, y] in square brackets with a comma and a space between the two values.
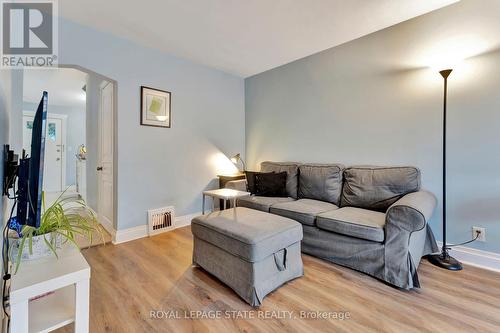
[54, 169]
[80, 151]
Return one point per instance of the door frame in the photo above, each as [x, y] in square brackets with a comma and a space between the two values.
[110, 228]
[64, 123]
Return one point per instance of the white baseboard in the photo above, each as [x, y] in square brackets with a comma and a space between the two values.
[185, 220]
[126, 235]
[108, 226]
[71, 188]
[474, 257]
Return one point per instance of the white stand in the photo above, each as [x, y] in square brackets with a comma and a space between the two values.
[81, 178]
[67, 277]
[224, 194]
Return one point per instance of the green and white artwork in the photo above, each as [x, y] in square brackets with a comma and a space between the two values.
[155, 107]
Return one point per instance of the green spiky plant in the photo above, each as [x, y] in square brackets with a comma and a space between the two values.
[66, 217]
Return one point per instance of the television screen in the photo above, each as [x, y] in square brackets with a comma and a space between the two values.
[35, 180]
[30, 174]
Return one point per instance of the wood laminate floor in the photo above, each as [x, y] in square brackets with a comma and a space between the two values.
[155, 274]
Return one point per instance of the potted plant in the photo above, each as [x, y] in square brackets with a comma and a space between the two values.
[60, 223]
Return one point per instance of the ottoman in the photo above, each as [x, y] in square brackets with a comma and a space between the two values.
[252, 252]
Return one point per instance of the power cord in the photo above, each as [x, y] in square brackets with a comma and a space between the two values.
[5, 259]
[5, 262]
[478, 233]
[11, 182]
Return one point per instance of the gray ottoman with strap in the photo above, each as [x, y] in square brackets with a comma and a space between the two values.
[252, 252]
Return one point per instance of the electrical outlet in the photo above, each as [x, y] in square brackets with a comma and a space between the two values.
[482, 233]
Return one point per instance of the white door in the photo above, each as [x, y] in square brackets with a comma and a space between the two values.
[53, 170]
[105, 164]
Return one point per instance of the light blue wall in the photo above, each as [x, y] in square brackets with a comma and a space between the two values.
[157, 166]
[367, 102]
[75, 133]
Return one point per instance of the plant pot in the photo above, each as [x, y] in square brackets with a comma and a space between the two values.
[39, 247]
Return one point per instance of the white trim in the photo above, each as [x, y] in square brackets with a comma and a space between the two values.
[141, 231]
[185, 220]
[474, 257]
[111, 219]
[108, 226]
[130, 234]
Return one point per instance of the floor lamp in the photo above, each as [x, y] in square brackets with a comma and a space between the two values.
[443, 259]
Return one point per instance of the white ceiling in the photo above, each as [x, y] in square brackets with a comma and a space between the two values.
[64, 86]
[240, 36]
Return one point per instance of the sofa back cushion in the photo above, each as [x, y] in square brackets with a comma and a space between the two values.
[321, 182]
[292, 171]
[377, 188]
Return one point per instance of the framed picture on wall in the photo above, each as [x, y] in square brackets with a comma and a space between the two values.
[155, 107]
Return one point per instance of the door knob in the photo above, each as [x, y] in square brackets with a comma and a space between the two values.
[58, 159]
[99, 168]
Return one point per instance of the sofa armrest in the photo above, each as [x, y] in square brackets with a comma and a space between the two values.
[405, 237]
[240, 185]
[412, 211]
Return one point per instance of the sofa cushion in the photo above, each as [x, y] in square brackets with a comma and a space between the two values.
[377, 188]
[302, 210]
[247, 233]
[354, 222]
[261, 203]
[321, 182]
[292, 170]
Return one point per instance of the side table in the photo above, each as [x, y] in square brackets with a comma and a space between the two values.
[223, 194]
[223, 179]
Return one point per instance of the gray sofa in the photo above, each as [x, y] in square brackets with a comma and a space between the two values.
[371, 219]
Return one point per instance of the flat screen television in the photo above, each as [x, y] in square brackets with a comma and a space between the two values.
[30, 176]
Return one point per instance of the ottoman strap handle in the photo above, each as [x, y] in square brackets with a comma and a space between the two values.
[280, 260]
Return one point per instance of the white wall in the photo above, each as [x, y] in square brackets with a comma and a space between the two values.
[5, 107]
[5, 91]
[159, 166]
[75, 133]
[370, 101]
[16, 114]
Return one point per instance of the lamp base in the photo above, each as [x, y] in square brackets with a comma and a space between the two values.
[444, 260]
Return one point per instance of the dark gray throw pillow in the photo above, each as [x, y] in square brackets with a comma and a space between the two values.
[270, 184]
[250, 176]
[292, 170]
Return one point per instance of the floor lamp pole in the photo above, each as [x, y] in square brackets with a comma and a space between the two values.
[444, 260]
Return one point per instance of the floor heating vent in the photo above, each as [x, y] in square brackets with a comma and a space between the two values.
[160, 220]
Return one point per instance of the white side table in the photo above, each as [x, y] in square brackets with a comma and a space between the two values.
[224, 194]
[68, 277]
